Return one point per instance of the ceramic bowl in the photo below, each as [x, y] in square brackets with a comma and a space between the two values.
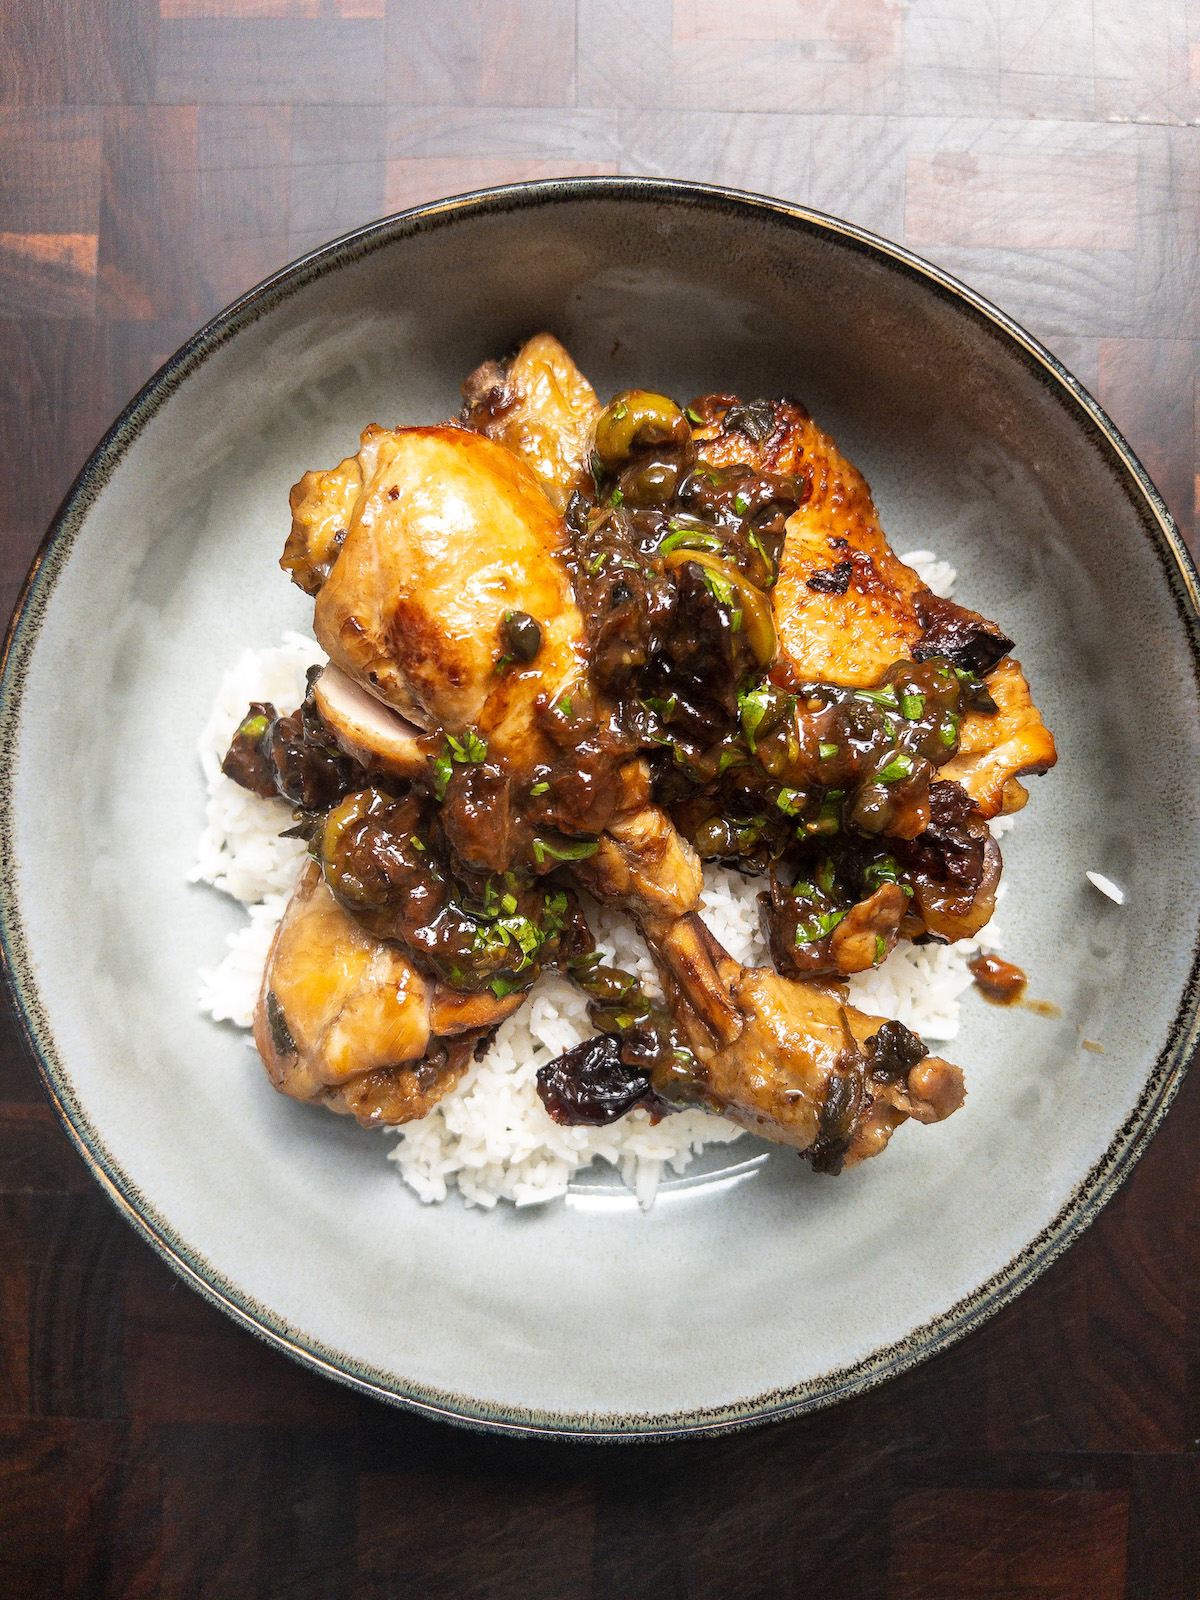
[753, 1289]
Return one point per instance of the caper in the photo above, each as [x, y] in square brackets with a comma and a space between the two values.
[872, 809]
[523, 635]
[649, 483]
[636, 420]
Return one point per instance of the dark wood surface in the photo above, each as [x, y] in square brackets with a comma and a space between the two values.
[156, 160]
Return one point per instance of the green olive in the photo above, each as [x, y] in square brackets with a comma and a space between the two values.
[340, 876]
[649, 483]
[714, 838]
[636, 420]
[523, 635]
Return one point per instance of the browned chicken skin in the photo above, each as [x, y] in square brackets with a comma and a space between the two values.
[785, 1054]
[346, 1019]
[542, 408]
[449, 533]
[846, 606]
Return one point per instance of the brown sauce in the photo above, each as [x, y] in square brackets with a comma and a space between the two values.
[1043, 1008]
[997, 980]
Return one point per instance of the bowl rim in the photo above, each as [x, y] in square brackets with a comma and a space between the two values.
[1089, 1196]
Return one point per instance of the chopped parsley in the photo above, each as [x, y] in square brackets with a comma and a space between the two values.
[878, 697]
[819, 927]
[684, 538]
[898, 767]
[753, 706]
[567, 850]
[469, 749]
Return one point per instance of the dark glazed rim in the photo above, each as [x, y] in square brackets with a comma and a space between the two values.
[1088, 1198]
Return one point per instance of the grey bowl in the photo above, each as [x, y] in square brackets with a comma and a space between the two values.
[755, 1289]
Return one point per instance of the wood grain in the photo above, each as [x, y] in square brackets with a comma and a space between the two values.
[157, 157]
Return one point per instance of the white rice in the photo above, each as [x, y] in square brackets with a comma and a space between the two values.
[491, 1138]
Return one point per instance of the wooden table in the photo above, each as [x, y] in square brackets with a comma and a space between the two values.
[157, 160]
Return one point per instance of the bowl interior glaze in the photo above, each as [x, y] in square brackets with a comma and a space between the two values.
[753, 1288]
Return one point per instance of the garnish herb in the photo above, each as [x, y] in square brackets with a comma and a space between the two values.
[720, 588]
[689, 539]
[538, 788]
[912, 705]
[826, 922]
[442, 768]
[898, 767]
[571, 850]
[827, 751]
[878, 697]
[469, 749]
[753, 708]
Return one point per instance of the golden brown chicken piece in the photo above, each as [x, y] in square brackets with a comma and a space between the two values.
[773, 1053]
[322, 504]
[791, 1061]
[994, 749]
[849, 637]
[450, 534]
[846, 607]
[542, 408]
[347, 1020]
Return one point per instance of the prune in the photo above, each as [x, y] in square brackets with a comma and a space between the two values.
[893, 1052]
[589, 1086]
[246, 761]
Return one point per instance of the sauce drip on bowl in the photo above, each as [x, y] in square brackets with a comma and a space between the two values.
[997, 980]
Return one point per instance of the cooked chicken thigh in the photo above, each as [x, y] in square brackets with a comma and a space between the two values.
[451, 534]
[346, 1019]
[846, 607]
[542, 408]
